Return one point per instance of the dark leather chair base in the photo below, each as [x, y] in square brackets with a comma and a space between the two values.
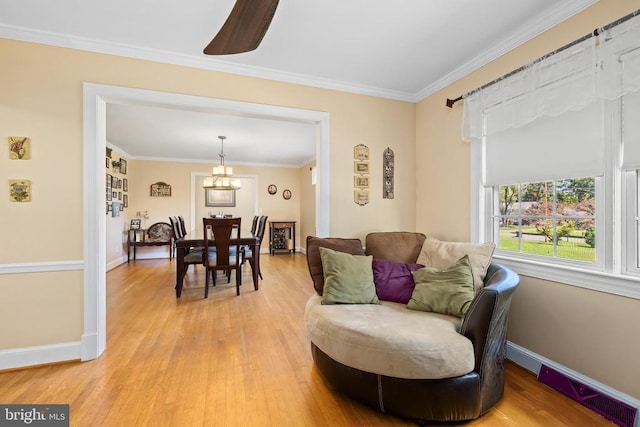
[449, 399]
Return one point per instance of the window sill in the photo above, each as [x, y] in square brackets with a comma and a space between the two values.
[626, 286]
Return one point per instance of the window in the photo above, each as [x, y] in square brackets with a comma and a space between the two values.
[556, 164]
[547, 219]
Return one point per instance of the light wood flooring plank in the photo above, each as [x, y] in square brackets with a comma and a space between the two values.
[230, 361]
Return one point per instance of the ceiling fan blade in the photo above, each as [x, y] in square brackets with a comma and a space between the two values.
[244, 28]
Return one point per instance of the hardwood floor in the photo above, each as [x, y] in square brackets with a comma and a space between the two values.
[230, 361]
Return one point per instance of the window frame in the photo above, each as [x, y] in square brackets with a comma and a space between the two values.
[494, 231]
[617, 201]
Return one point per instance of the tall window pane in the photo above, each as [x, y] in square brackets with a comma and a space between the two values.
[548, 218]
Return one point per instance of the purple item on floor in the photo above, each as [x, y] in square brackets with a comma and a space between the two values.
[393, 280]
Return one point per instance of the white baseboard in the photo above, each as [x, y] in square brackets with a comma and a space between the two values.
[39, 355]
[113, 264]
[533, 362]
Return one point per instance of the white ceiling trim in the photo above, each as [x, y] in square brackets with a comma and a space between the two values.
[207, 63]
[226, 162]
[564, 11]
[548, 20]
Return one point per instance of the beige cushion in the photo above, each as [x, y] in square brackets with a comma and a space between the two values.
[388, 339]
[442, 255]
[448, 291]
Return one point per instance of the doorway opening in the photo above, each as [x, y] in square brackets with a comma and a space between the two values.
[95, 99]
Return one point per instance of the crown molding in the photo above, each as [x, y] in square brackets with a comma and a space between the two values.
[560, 13]
[215, 162]
[542, 23]
[202, 62]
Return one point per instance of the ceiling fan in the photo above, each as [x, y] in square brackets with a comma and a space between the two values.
[244, 28]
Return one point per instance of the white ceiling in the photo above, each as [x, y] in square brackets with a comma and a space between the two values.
[398, 49]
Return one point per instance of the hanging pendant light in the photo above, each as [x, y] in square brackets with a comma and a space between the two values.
[221, 175]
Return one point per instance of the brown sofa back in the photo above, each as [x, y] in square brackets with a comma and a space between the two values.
[398, 246]
[350, 246]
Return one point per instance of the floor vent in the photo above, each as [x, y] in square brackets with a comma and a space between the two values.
[610, 408]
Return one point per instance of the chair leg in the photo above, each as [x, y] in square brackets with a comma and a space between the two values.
[253, 265]
[206, 285]
[238, 280]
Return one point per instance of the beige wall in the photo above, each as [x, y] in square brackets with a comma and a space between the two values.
[255, 180]
[590, 332]
[41, 89]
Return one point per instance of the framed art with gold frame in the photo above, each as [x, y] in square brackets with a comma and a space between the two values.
[361, 152]
[361, 168]
[361, 197]
[361, 181]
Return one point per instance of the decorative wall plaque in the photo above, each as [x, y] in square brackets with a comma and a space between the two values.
[388, 171]
[19, 148]
[361, 174]
[160, 189]
[19, 190]
[361, 152]
[361, 197]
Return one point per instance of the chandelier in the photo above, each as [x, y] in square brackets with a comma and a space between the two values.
[221, 175]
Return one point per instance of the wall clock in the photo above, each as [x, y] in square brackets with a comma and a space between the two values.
[286, 194]
[272, 189]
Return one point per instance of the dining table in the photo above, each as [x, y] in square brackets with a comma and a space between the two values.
[195, 239]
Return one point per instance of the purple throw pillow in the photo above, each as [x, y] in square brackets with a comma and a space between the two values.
[393, 280]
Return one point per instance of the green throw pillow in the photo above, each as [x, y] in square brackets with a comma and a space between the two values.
[447, 291]
[348, 279]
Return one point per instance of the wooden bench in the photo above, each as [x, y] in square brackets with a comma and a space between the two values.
[159, 234]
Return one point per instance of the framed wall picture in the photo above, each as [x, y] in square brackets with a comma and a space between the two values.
[272, 189]
[219, 198]
[160, 189]
[361, 152]
[361, 181]
[125, 184]
[135, 224]
[123, 166]
[361, 167]
[19, 190]
[125, 200]
[286, 194]
[109, 182]
[19, 148]
[361, 197]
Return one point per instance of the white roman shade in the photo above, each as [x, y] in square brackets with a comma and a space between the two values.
[566, 146]
[545, 121]
[620, 79]
[631, 131]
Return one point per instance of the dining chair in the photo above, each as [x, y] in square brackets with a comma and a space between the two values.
[254, 224]
[193, 256]
[247, 253]
[175, 226]
[183, 229]
[177, 234]
[226, 256]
